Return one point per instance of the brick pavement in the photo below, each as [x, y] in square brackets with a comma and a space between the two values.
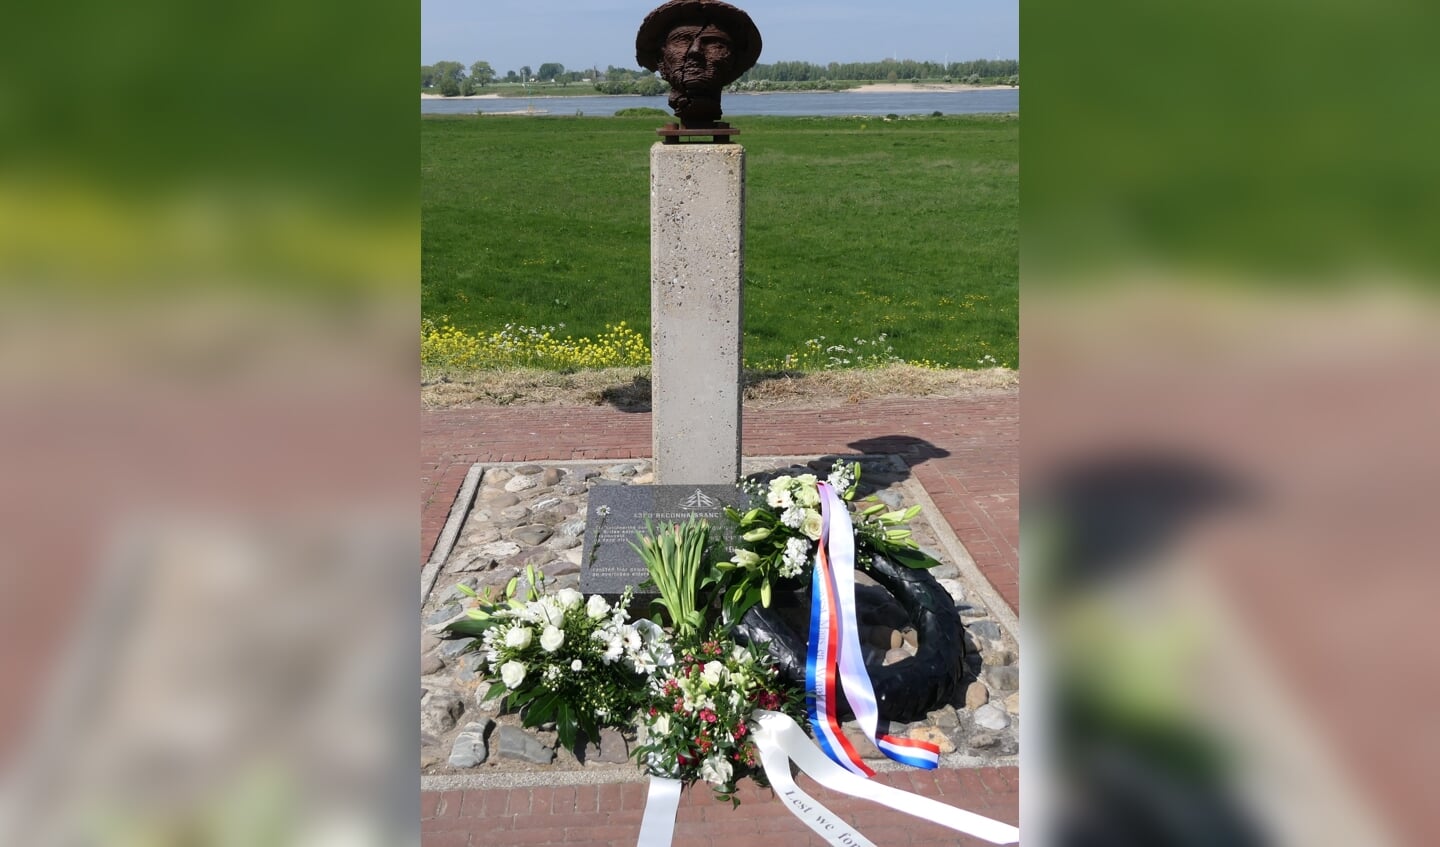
[966, 454]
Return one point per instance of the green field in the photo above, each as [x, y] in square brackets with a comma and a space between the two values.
[855, 227]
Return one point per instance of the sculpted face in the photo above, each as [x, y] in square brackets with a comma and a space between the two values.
[696, 58]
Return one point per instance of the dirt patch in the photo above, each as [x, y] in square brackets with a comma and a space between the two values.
[629, 388]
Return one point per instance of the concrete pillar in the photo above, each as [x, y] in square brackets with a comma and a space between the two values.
[697, 273]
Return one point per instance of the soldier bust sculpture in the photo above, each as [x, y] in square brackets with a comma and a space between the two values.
[699, 47]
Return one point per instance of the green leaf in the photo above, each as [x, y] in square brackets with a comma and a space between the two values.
[913, 558]
[467, 627]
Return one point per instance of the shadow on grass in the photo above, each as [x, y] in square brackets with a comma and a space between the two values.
[635, 396]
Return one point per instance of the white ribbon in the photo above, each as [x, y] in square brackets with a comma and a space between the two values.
[657, 828]
[779, 738]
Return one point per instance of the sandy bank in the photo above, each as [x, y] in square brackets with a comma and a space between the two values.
[907, 87]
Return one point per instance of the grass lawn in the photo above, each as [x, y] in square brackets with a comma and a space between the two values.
[855, 227]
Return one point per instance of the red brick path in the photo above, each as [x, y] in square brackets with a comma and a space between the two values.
[965, 453]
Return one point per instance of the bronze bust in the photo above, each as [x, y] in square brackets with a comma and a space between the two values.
[699, 47]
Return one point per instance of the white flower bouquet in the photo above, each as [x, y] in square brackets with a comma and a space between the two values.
[580, 663]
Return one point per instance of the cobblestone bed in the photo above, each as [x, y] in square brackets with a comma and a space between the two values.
[535, 514]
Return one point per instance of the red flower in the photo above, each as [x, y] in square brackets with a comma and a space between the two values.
[740, 730]
[708, 716]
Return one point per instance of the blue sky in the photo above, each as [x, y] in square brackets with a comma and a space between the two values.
[580, 33]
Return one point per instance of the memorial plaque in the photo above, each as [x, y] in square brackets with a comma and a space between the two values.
[617, 513]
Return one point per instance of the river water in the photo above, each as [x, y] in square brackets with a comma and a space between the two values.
[775, 103]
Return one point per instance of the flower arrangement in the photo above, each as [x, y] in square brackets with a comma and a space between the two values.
[676, 560]
[575, 661]
[697, 721]
[778, 538]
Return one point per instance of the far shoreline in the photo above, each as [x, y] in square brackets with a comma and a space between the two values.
[868, 88]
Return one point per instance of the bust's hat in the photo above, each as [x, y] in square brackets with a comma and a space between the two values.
[744, 37]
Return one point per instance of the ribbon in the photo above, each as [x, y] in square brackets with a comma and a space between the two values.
[834, 648]
[780, 740]
[657, 828]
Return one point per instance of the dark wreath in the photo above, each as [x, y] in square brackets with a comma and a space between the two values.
[905, 691]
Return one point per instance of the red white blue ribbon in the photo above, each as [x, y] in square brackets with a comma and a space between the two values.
[834, 653]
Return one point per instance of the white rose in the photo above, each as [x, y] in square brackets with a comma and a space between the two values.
[807, 494]
[551, 639]
[597, 608]
[519, 637]
[812, 525]
[661, 726]
[569, 598]
[576, 665]
[549, 612]
[715, 770]
[714, 673]
[513, 673]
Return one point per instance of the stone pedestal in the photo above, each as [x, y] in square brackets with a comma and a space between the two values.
[697, 272]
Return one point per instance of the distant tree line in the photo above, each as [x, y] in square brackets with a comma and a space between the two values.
[888, 70]
[454, 79]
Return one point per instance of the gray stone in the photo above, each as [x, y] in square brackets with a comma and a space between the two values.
[458, 596]
[643, 479]
[947, 718]
[484, 535]
[985, 629]
[512, 743]
[531, 536]
[603, 481]
[697, 269]
[455, 646]
[499, 499]
[996, 743]
[612, 748]
[954, 589]
[497, 476]
[999, 656]
[431, 663]
[911, 639]
[1012, 703]
[617, 514]
[584, 474]
[560, 568]
[896, 655]
[514, 514]
[990, 716]
[528, 470]
[470, 666]
[561, 543]
[545, 503]
[573, 556]
[497, 550]
[572, 529]
[570, 489]
[439, 711]
[893, 499]
[444, 615]
[469, 749]
[551, 476]
[522, 483]
[1003, 678]
[428, 641]
[976, 695]
[945, 571]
